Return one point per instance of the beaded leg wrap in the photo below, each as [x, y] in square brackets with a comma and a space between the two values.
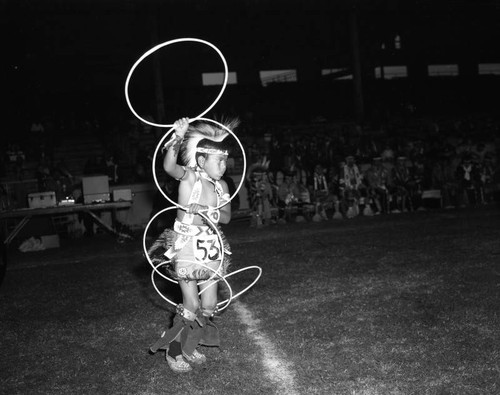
[188, 325]
[191, 335]
[210, 333]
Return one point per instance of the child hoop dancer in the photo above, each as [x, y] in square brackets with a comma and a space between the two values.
[193, 245]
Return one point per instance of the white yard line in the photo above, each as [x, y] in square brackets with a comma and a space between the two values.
[278, 370]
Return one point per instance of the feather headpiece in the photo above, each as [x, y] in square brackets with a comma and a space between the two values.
[261, 166]
[199, 131]
[258, 168]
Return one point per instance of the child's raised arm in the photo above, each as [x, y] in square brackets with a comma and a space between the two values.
[173, 147]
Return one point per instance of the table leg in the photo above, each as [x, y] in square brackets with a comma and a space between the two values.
[107, 227]
[17, 229]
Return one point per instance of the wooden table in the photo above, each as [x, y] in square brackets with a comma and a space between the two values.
[27, 213]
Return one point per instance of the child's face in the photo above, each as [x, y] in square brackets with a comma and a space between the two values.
[215, 166]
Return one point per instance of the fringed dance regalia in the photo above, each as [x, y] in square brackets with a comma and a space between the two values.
[184, 245]
[181, 249]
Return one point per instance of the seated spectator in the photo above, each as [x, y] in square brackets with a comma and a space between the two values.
[487, 174]
[468, 180]
[260, 197]
[271, 176]
[334, 190]
[480, 151]
[403, 186]
[418, 173]
[301, 192]
[351, 187]
[377, 179]
[387, 153]
[320, 193]
[443, 178]
[285, 196]
[260, 191]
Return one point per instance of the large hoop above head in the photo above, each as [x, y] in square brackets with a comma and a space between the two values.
[156, 48]
[164, 138]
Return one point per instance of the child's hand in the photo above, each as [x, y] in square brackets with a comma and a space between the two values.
[195, 208]
[181, 126]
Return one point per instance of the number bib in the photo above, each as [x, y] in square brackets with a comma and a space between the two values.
[206, 248]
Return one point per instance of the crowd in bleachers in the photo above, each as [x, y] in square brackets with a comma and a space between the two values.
[301, 176]
[318, 171]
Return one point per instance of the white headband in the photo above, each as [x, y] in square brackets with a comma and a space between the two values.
[211, 151]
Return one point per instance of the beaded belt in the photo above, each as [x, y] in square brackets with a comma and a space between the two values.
[192, 230]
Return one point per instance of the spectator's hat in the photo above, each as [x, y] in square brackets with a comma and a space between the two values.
[402, 158]
[377, 159]
[349, 157]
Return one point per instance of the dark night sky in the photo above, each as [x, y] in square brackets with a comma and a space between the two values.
[60, 54]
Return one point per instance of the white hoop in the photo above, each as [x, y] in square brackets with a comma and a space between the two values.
[159, 46]
[231, 296]
[223, 278]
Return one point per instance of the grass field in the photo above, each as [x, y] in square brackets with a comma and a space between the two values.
[398, 304]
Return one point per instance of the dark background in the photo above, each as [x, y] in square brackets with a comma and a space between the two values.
[72, 57]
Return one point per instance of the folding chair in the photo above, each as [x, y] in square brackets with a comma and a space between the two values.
[434, 195]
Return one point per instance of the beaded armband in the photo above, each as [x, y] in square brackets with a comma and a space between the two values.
[213, 214]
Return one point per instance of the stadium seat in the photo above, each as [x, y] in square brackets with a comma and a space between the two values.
[433, 197]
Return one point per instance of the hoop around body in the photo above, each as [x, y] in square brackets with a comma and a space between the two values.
[215, 272]
[156, 48]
